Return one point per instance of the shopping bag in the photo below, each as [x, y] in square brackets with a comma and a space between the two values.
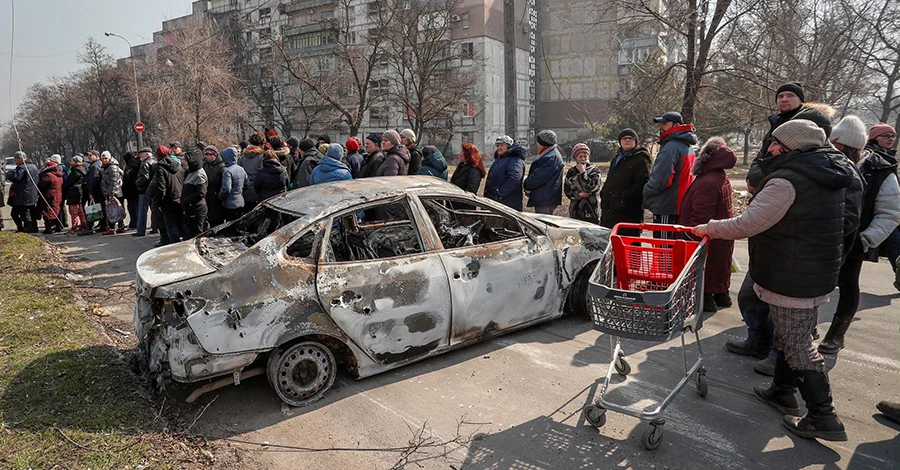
[114, 211]
[93, 211]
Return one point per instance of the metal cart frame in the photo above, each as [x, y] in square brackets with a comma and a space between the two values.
[648, 289]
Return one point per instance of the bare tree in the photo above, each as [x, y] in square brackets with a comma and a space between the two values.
[881, 53]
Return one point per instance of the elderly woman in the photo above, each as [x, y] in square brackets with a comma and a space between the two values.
[504, 178]
[795, 225]
[621, 198]
[582, 186]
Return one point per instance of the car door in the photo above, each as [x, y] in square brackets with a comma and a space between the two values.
[502, 273]
[384, 287]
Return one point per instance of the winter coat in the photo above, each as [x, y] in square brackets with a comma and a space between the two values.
[251, 162]
[23, 191]
[415, 160]
[214, 172]
[504, 178]
[708, 198]
[354, 163]
[371, 164]
[73, 187]
[544, 181]
[145, 175]
[287, 161]
[94, 177]
[671, 176]
[111, 179]
[396, 162]
[621, 197]
[234, 182]
[588, 181]
[271, 179]
[881, 202]
[329, 170]
[433, 163]
[168, 183]
[129, 177]
[50, 184]
[305, 166]
[193, 192]
[467, 177]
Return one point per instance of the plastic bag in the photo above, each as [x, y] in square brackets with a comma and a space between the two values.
[93, 212]
[114, 211]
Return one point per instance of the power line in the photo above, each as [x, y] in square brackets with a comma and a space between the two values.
[20, 56]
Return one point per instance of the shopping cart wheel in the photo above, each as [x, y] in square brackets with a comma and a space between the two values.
[622, 366]
[702, 386]
[652, 436]
[595, 415]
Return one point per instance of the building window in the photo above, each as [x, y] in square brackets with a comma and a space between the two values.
[467, 50]
[265, 14]
[375, 114]
[469, 109]
[306, 40]
[465, 20]
[467, 137]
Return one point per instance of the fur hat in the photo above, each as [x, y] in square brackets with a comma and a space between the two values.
[352, 145]
[819, 113]
[714, 148]
[392, 136]
[795, 88]
[409, 134]
[334, 151]
[581, 149]
[879, 129]
[851, 132]
[505, 139]
[546, 138]
[628, 132]
[799, 133]
[306, 144]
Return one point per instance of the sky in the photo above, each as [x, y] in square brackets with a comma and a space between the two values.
[49, 34]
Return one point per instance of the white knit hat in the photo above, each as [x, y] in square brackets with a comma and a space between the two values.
[851, 132]
[800, 133]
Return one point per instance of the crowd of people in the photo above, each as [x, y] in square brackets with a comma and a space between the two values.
[825, 198]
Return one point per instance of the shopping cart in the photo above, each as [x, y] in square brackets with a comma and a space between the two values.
[647, 289]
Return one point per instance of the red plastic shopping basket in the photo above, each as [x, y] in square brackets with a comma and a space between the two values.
[649, 264]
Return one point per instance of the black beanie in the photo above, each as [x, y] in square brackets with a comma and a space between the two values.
[325, 138]
[795, 88]
[293, 142]
[628, 132]
[820, 118]
[306, 144]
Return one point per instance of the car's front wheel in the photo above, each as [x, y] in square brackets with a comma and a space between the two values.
[577, 302]
[301, 373]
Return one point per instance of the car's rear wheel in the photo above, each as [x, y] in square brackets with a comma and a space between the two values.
[577, 301]
[301, 373]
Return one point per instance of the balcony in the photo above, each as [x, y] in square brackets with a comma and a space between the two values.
[297, 5]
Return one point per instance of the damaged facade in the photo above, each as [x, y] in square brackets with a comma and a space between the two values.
[369, 274]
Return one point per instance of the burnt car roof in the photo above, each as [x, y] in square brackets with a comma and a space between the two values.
[318, 198]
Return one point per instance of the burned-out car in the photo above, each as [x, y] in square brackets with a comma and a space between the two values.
[371, 274]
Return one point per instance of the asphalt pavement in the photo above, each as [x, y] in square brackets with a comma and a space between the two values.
[516, 401]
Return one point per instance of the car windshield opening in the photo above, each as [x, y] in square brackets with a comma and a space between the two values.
[461, 224]
[226, 242]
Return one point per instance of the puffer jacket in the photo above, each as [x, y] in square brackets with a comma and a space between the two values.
[73, 188]
[94, 177]
[111, 179]
[305, 166]
[433, 162]
[168, 182]
[251, 162]
[881, 201]
[145, 175]
[193, 192]
[329, 170]
[234, 181]
[671, 175]
[271, 179]
[396, 162]
[621, 197]
[504, 178]
[544, 181]
[23, 191]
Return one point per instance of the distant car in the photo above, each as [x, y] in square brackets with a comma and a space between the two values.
[373, 273]
[8, 165]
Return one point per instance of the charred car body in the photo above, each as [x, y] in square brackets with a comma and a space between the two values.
[372, 273]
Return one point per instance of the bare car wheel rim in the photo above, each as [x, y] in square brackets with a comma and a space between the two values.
[303, 373]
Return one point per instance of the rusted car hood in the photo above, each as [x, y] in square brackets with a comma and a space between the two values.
[172, 263]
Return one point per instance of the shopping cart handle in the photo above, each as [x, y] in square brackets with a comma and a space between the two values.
[652, 228]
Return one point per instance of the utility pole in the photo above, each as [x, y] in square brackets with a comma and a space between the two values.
[137, 98]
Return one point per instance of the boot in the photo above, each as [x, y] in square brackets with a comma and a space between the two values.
[820, 421]
[765, 366]
[748, 347]
[890, 409]
[722, 300]
[709, 304]
[782, 393]
[834, 338]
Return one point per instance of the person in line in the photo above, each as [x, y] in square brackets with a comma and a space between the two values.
[373, 158]
[396, 155]
[330, 168]
[214, 167]
[73, 192]
[94, 192]
[165, 189]
[582, 186]
[354, 158]
[111, 185]
[621, 197]
[470, 171]
[234, 179]
[504, 178]
[709, 198]
[284, 155]
[882, 139]
[132, 165]
[880, 217]
[251, 162]
[670, 176]
[416, 155]
[193, 195]
[544, 181]
[50, 184]
[23, 193]
[272, 178]
[309, 158]
[796, 214]
[433, 163]
[142, 183]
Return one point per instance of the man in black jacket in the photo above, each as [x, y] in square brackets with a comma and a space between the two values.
[142, 183]
[94, 191]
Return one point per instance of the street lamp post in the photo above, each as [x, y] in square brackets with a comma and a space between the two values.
[137, 99]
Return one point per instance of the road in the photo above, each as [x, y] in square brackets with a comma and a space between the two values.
[515, 401]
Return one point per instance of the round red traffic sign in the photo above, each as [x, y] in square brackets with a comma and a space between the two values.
[139, 127]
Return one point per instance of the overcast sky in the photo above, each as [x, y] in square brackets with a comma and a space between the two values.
[49, 33]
